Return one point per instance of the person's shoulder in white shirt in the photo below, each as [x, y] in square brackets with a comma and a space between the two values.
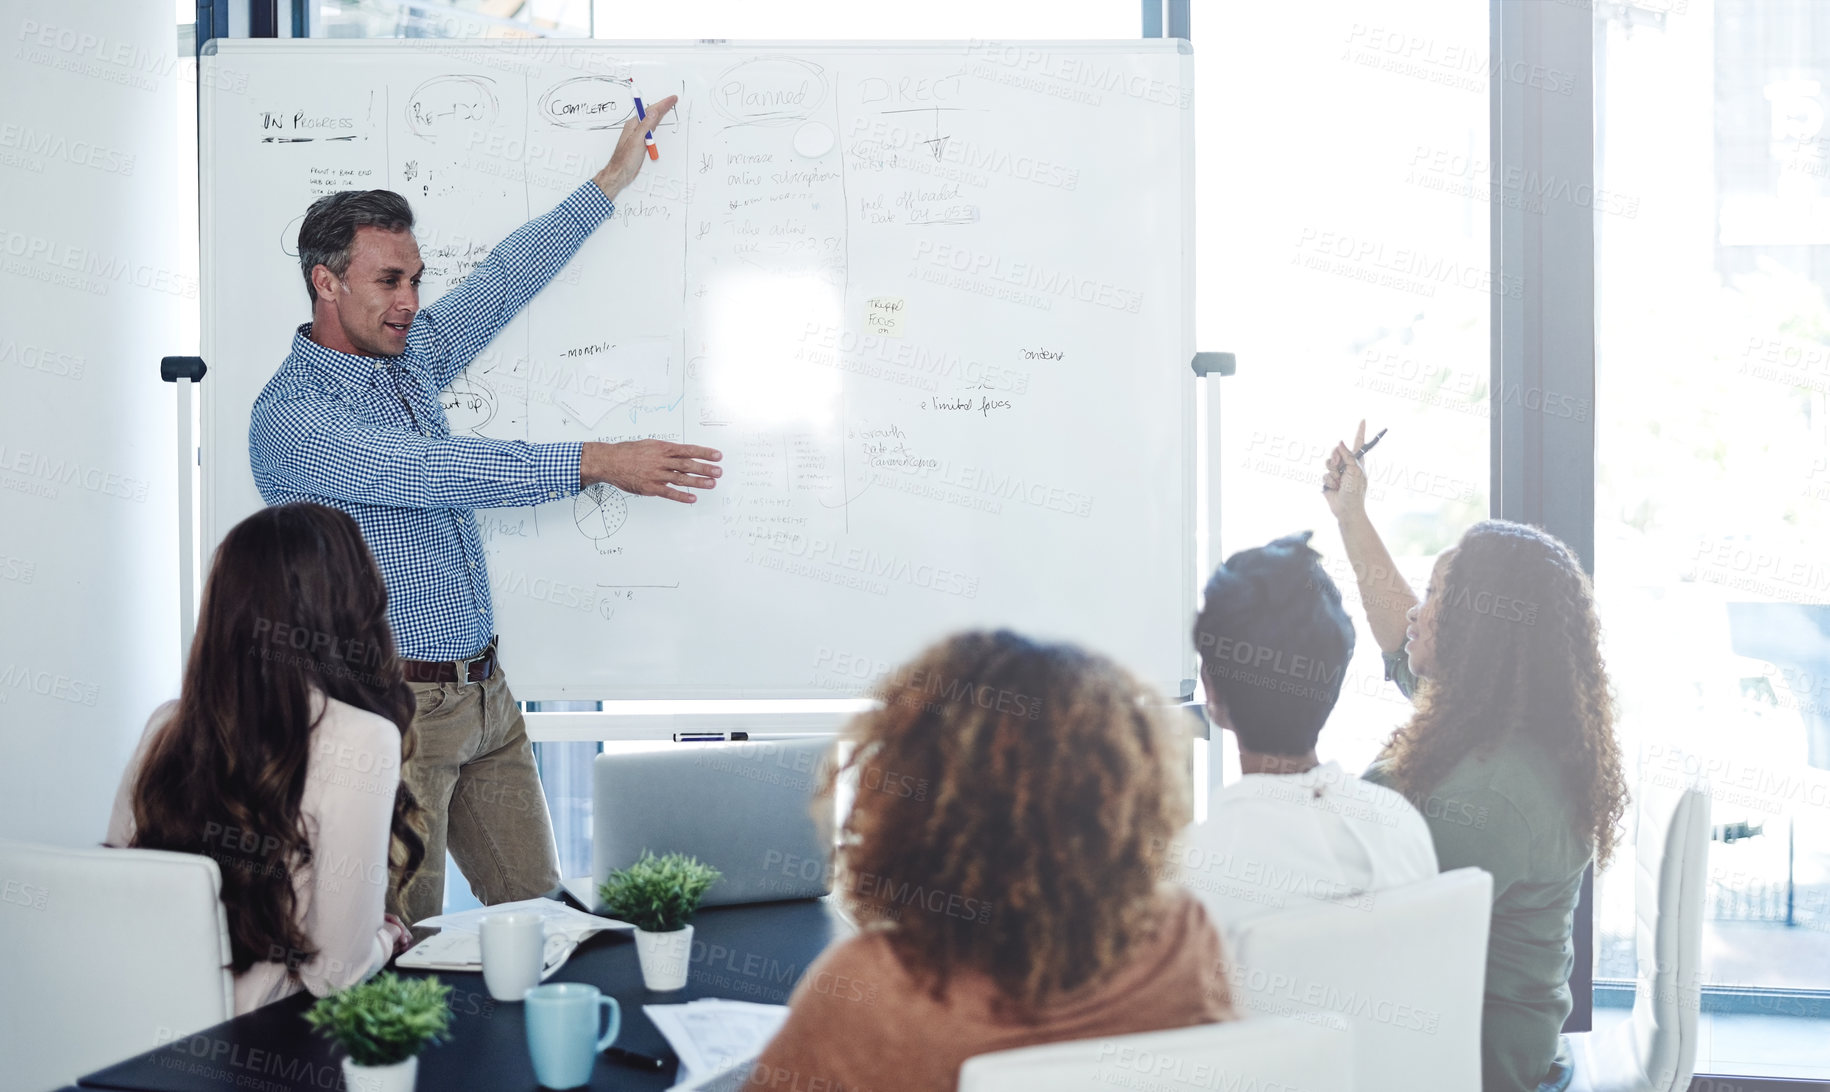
[1278, 841]
[1292, 831]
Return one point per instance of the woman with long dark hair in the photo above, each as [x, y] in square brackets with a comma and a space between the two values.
[1005, 855]
[1509, 753]
[281, 757]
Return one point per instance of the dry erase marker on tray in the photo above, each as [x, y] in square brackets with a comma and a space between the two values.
[648, 137]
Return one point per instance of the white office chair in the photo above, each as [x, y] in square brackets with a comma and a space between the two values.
[1407, 972]
[1656, 1050]
[105, 953]
[1254, 1053]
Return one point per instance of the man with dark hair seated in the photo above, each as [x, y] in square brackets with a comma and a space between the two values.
[1292, 831]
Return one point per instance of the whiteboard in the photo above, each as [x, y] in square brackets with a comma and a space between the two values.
[932, 302]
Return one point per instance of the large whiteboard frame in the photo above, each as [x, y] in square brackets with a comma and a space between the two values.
[637, 718]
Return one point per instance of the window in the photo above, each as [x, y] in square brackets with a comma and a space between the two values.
[1343, 256]
[450, 18]
[843, 19]
[1712, 513]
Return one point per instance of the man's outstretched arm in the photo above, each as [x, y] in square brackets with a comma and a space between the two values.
[452, 331]
[313, 444]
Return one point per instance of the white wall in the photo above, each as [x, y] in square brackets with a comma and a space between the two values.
[92, 291]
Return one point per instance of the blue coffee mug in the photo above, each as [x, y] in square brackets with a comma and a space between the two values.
[562, 1031]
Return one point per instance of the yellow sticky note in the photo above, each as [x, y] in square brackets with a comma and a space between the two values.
[883, 316]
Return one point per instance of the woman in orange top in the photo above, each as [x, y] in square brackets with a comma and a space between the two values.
[1014, 805]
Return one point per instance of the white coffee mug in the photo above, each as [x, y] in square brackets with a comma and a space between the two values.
[514, 951]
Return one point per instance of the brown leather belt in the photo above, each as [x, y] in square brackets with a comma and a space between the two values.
[474, 670]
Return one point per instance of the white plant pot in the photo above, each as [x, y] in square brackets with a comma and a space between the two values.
[664, 957]
[398, 1077]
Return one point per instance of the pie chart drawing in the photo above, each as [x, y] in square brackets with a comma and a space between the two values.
[600, 511]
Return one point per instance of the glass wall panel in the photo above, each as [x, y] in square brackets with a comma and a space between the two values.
[1712, 522]
[1343, 255]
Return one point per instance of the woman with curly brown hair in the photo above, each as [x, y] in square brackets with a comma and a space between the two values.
[281, 757]
[1510, 753]
[1004, 854]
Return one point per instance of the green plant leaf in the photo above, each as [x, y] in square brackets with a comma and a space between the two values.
[385, 1020]
[658, 894]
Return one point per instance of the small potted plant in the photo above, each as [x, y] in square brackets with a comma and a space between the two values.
[383, 1024]
[657, 895]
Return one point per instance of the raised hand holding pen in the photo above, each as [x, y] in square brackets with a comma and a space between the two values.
[1344, 479]
[631, 148]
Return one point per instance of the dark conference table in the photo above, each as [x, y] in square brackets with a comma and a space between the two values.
[740, 953]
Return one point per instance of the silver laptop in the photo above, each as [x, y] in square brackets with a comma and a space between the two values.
[746, 809]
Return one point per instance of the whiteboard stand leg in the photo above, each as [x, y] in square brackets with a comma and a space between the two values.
[1207, 502]
[185, 372]
[187, 568]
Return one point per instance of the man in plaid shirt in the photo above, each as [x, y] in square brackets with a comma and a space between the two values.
[353, 420]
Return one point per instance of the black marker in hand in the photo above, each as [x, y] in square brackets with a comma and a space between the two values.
[1370, 444]
[1335, 477]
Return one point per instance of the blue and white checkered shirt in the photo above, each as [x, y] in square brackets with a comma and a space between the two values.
[331, 428]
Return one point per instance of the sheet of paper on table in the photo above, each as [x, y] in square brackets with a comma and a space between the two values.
[733, 1079]
[458, 944]
[716, 1039]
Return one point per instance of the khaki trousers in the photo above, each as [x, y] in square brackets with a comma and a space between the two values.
[473, 772]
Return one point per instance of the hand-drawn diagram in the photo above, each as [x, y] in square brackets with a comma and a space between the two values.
[938, 143]
[590, 380]
[289, 236]
[599, 513]
[444, 106]
[470, 405]
[935, 145]
[450, 257]
[787, 301]
[915, 139]
[318, 124]
[769, 91]
[589, 102]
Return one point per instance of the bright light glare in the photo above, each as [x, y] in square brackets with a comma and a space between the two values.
[766, 362]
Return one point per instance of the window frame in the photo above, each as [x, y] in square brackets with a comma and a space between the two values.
[1543, 327]
[1543, 338]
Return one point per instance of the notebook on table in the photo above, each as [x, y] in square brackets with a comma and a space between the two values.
[458, 944]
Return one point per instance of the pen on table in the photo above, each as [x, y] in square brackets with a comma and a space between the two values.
[647, 137]
[635, 1061]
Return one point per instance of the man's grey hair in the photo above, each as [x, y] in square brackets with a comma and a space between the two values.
[330, 227]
